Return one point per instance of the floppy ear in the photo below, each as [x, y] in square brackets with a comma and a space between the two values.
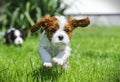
[79, 23]
[37, 26]
[41, 23]
[23, 33]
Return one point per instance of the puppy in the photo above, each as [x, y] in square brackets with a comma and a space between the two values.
[16, 36]
[55, 39]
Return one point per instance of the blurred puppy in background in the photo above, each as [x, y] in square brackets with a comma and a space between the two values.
[14, 36]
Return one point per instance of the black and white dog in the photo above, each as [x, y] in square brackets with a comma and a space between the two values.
[16, 36]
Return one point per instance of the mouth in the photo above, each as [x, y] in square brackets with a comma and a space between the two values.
[59, 43]
[18, 45]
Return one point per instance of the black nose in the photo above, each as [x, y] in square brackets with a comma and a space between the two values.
[60, 37]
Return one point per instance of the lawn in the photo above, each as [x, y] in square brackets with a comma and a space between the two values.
[95, 58]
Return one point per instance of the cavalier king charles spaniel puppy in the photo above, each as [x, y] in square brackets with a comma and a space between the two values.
[55, 38]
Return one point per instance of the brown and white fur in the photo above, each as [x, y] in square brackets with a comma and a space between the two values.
[55, 38]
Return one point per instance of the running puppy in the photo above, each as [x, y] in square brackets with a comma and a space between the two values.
[55, 38]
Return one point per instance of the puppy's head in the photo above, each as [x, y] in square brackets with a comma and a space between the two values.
[16, 36]
[58, 28]
[19, 36]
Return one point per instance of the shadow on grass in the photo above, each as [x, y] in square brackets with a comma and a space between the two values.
[46, 74]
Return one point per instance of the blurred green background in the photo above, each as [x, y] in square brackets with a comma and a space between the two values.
[24, 13]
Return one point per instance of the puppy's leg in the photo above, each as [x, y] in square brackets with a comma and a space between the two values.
[66, 65]
[62, 56]
[47, 62]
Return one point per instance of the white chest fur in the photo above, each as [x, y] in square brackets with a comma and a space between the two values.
[53, 53]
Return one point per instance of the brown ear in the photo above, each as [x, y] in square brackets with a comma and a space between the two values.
[79, 23]
[36, 26]
[41, 23]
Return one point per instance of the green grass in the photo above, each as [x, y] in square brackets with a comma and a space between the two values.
[95, 58]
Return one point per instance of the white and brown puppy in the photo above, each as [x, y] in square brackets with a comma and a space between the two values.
[55, 38]
[15, 36]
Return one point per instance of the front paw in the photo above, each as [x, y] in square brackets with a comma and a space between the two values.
[58, 61]
[46, 64]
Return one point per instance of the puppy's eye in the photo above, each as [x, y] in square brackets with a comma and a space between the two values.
[15, 36]
[53, 30]
[67, 30]
[21, 35]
